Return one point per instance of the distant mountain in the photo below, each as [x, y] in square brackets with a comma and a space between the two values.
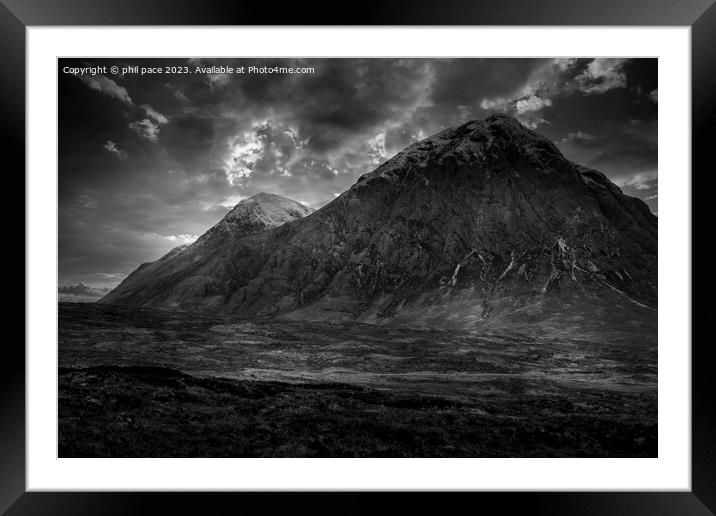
[483, 224]
[80, 292]
[195, 266]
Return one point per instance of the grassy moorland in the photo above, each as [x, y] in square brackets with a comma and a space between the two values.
[146, 383]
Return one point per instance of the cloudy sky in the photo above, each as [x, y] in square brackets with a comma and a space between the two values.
[148, 162]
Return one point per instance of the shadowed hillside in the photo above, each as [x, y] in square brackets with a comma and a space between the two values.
[483, 224]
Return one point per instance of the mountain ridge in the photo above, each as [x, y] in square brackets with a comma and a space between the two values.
[482, 223]
[251, 215]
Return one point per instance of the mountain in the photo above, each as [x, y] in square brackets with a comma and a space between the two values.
[197, 264]
[482, 224]
[80, 292]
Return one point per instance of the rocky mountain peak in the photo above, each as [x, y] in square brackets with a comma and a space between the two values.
[496, 130]
[498, 142]
[268, 202]
[262, 211]
[253, 215]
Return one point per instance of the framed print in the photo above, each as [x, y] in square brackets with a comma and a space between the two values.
[441, 253]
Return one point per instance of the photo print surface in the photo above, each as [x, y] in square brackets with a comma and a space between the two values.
[357, 257]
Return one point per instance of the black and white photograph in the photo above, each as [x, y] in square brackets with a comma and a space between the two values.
[357, 257]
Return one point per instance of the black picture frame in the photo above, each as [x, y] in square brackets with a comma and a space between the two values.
[17, 15]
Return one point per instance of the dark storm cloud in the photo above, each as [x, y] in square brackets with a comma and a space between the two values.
[149, 162]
